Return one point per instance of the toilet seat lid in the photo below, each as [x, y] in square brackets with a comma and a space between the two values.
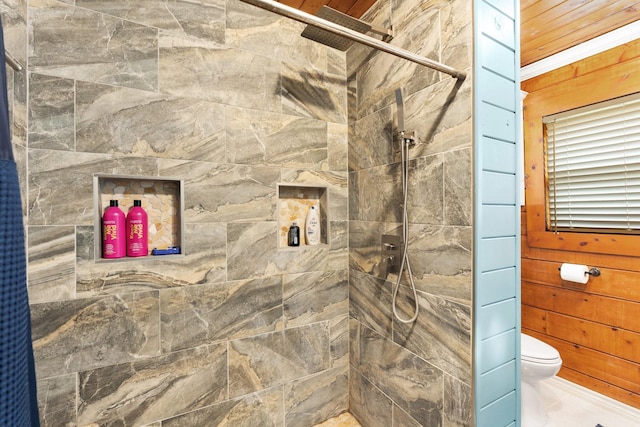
[533, 349]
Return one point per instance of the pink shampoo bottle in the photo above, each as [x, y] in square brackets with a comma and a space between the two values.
[137, 231]
[113, 229]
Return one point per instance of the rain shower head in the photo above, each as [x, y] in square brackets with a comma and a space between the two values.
[400, 104]
[330, 39]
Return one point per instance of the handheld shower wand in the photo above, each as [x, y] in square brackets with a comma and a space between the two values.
[405, 145]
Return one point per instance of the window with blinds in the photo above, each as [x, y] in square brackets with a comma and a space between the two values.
[593, 168]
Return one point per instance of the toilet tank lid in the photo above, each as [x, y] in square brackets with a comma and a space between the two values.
[531, 347]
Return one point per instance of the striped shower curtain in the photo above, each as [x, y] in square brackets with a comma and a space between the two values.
[18, 402]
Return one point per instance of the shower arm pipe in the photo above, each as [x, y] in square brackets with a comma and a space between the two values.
[12, 62]
[323, 24]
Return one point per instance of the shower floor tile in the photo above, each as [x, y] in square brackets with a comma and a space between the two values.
[342, 420]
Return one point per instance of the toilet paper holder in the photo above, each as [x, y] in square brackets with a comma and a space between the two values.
[593, 271]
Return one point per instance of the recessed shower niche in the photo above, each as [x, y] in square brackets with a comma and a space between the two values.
[294, 202]
[162, 199]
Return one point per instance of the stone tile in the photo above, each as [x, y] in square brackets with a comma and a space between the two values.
[456, 33]
[316, 398]
[367, 403]
[196, 315]
[426, 205]
[401, 418]
[217, 192]
[458, 188]
[51, 112]
[365, 246]
[268, 138]
[80, 44]
[441, 260]
[203, 21]
[218, 74]
[370, 302]
[312, 93]
[51, 257]
[54, 175]
[204, 262]
[373, 141]
[134, 122]
[314, 297]
[380, 193]
[338, 147]
[339, 328]
[260, 362]
[250, 28]
[153, 389]
[101, 332]
[57, 401]
[458, 403]
[264, 408]
[413, 384]
[343, 420]
[338, 257]
[441, 335]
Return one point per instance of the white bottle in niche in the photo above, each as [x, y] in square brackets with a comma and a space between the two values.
[312, 227]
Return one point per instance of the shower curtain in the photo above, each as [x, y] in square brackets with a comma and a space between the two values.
[18, 401]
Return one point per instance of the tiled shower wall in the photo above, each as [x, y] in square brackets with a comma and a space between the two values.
[410, 375]
[231, 100]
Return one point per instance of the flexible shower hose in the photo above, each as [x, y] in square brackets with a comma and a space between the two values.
[405, 236]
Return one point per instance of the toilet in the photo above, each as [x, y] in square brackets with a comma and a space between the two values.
[538, 361]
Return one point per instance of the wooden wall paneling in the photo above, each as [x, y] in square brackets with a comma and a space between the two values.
[534, 319]
[607, 389]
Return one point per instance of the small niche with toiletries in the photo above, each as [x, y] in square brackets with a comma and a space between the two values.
[302, 216]
[137, 217]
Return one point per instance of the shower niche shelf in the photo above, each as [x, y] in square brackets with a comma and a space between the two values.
[162, 199]
[294, 202]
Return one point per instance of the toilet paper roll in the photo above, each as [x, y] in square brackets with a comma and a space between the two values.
[574, 273]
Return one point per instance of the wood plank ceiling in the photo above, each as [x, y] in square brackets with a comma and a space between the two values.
[548, 26]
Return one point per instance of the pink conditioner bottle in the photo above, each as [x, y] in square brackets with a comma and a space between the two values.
[137, 231]
[113, 239]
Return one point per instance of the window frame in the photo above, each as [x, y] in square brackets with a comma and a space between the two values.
[555, 92]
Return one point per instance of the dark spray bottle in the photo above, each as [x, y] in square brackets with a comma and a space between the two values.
[294, 235]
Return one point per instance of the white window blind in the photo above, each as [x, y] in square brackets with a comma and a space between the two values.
[593, 167]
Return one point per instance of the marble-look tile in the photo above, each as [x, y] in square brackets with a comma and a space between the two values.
[204, 262]
[264, 408]
[354, 342]
[195, 315]
[370, 302]
[268, 34]
[425, 204]
[380, 193]
[401, 418]
[203, 20]
[257, 243]
[55, 175]
[51, 112]
[80, 44]
[379, 14]
[134, 122]
[441, 334]
[365, 246]
[456, 30]
[316, 398]
[367, 403]
[338, 147]
[339, 329]
[373, 141]
[314, 297]
[51, 258]
[225, 192]
[263, 361]
[338, 257]
[441, 116]
[315, 94]
[221, 74]
[14, 26]
[441, 260]
[267, 138]
[413, 384]
[101, 332]
[153, 389]
[458, 188]
[458, 403]
[57, 401]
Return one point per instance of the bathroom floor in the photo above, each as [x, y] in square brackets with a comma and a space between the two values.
[342, 420]
[570, 405]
